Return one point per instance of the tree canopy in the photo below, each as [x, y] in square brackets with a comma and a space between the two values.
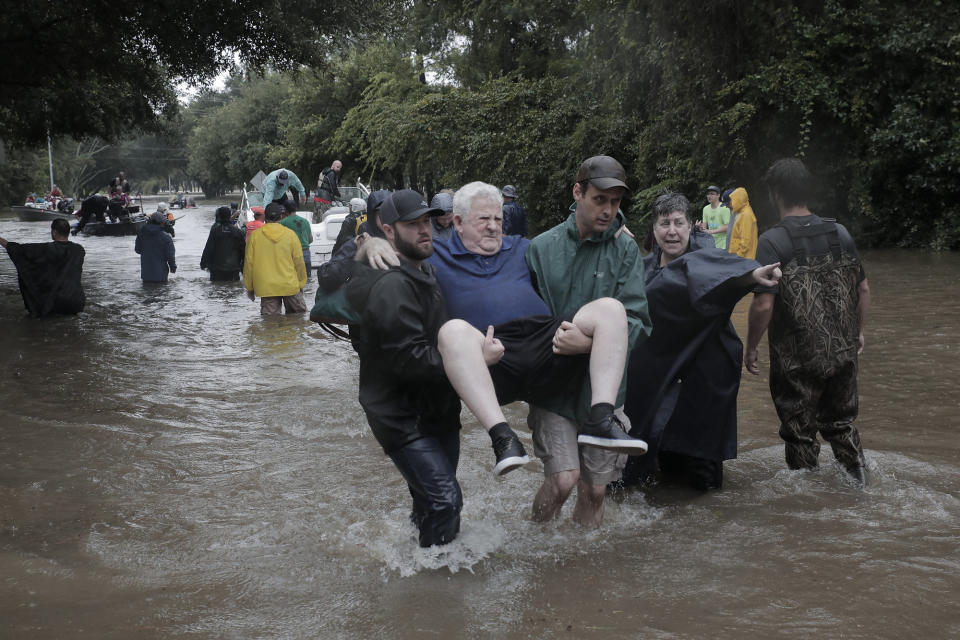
[101, 68]
[684, 94]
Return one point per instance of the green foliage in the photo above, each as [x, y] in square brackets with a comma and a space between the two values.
[684, 94]
[99, 68]
[26, 171]
[231, 142]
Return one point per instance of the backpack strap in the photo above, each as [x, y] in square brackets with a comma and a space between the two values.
[828, 226]
[334, 330]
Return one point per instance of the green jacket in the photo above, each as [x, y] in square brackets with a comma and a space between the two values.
[301, 227]
[569, 273]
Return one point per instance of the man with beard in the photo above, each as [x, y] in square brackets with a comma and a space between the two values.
[412, 410]
[485, 281]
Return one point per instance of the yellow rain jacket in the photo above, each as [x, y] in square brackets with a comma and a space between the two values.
[273, 265]
[743, 238]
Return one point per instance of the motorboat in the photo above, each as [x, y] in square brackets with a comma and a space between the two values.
[324, 232]
[33, 213]
[124, 227]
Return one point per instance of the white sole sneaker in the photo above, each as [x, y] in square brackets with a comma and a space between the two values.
[633, 447]
[509, 464]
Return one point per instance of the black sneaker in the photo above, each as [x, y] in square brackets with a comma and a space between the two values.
[510, 454]
[609, 434]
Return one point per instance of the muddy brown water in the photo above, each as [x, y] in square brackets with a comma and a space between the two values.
[172, 465]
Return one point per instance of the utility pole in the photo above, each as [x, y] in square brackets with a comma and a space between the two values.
[50, 158]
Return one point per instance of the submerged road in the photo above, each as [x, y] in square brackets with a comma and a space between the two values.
[173, 465]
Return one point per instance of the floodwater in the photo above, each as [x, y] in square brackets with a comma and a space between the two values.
[172, 465]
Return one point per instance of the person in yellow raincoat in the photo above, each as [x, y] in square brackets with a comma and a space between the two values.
[743, 237]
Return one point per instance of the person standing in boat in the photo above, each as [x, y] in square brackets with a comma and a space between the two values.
[120, 188]
[93, 207]
[276, 185]
[55, 195]
[157, 253]
[328, 189]
[49, 272]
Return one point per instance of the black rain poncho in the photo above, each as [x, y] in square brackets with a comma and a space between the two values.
[49, 276]
[682, 382]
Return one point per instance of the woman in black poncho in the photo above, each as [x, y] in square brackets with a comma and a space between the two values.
[683, 380]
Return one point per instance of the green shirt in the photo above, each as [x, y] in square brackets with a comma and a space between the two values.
[300, 227]
[714, 219]
[569, 272]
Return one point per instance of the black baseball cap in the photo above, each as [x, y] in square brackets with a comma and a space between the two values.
[603, 172]
[405, 205]
[714, 188]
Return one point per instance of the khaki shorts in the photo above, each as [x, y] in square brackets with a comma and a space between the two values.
[292, 304]
[555, 443]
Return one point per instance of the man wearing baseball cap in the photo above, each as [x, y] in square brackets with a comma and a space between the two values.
[590, 255]
[275, 185]
[412, 410]
[514, 215]
[716, 218]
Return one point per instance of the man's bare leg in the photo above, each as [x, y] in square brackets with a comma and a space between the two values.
[553, 493]
[461, 346]
[605, 321]
[588, 510]
[467, 354]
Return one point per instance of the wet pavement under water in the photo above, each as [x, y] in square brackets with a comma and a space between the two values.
[173, 465]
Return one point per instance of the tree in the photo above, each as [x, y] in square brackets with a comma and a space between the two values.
[230, 143]
[101, 68]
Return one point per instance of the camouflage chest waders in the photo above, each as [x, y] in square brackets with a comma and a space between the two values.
[814, 336]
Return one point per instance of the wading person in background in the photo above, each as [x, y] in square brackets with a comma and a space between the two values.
[683, 380]
[273, 266]
[743, 234]
[301, 227]
[155, 246]
[350, 227]
[276, 185]
[256, 223]
[49, 272]
[443, 225]
[223, 253]
[333, 273]
[815, 316]
[169, 220]
[514, 215]
[328, 189]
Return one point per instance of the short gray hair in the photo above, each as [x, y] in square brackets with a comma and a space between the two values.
[465, 195]
[667, 203]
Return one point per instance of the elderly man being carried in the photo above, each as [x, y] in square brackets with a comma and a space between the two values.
[504, 344]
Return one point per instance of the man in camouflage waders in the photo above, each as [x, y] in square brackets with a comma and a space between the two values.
[816, 316]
